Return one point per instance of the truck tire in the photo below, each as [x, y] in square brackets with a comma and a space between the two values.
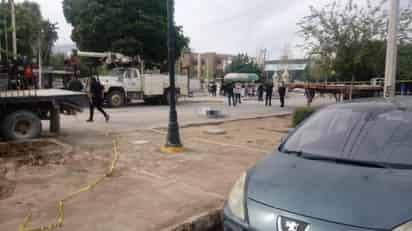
[21, 125]
[116, 99]
[167, 98]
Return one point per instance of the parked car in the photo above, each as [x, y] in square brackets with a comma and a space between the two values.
[347, 167]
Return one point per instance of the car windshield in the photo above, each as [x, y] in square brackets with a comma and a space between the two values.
[380, 136]
[117, 72]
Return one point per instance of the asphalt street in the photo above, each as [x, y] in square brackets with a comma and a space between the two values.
[141, 116]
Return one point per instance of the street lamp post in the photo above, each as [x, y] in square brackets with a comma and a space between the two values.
[173, 143]
[392, 51]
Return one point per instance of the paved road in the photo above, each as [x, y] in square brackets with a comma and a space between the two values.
[141, 116]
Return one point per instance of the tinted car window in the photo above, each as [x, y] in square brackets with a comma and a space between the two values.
[326, 133]
[379, 136]
[386, 137]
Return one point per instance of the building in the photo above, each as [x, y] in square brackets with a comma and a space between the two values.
[295, 67]
[203, 66]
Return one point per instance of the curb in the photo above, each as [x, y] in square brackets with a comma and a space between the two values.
[221, 121]
[206, 221]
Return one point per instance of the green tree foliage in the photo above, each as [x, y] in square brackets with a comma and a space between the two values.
[348, 38]
[30, 27]
[242, 63]
[405, 62]
[132, 27]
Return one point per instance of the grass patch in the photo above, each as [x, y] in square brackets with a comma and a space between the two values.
[302, 113]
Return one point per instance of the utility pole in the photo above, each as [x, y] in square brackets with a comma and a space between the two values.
[392, 51]
[173, 143]
[6, 37]
[13, 28]
[264, 51]
[40, 63]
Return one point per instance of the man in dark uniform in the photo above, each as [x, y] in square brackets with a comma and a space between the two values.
[269, 93]
[282, 92]
[96, 99]
[230, 94]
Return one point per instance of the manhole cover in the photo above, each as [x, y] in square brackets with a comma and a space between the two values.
[214, 131]
[140, 142]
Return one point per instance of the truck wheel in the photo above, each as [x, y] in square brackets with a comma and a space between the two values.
[21, 125]
[116, 99]
[167, 98]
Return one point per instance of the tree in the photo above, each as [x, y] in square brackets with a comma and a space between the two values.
[242, 63]
[30, 27]
[132, 27]
[405, 62]
[350, 37]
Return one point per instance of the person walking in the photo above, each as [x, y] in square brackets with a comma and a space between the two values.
[282, 92]
[260, 92]
[96, 99]
[230, 94]
[269, 94]
[238, 93]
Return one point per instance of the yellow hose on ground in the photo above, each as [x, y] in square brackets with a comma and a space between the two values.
[25, 226]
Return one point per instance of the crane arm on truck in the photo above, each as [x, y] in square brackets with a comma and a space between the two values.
[106, 57]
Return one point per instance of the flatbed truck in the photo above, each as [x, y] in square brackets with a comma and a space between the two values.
[21, 111]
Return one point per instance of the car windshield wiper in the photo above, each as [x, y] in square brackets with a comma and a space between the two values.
[292, 152]
[345, 161]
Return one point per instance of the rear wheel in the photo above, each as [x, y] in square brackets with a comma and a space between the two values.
[21, 125]
[116, 99]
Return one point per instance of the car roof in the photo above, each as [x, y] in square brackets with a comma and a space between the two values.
[376, 104]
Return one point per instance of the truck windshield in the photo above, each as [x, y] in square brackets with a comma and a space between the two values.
[375, 136]
[117, 72]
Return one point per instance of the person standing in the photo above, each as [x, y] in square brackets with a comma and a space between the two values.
[230, 94]
[260, 92]
[214, 87]
[282, 92]
[96, 99]
[269, 94]
[238, 93]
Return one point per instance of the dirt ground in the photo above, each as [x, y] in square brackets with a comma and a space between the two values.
[150, 190]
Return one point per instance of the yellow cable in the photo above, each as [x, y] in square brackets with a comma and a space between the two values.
[25, 226]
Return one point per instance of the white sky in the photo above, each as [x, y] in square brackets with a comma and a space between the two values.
[229, 26]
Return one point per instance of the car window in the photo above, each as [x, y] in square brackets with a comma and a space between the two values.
[386, 138]
[326, 133]
[380, 136]
[133, 74]
[117, 72]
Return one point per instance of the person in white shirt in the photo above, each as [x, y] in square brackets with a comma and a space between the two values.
[238, 93]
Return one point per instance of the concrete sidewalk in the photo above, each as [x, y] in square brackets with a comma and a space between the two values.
[150, 190]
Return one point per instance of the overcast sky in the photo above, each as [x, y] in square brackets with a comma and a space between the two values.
[229, 26]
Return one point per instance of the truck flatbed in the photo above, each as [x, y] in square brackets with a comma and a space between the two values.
[339, 91]
[22, 110]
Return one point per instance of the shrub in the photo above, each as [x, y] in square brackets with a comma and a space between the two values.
[301, 113]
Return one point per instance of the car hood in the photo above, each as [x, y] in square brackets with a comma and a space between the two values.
[358, 196]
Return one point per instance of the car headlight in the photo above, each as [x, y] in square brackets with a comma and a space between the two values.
[236, 200]
[405, 227]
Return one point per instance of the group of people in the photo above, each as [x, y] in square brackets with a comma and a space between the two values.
[234, 93]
